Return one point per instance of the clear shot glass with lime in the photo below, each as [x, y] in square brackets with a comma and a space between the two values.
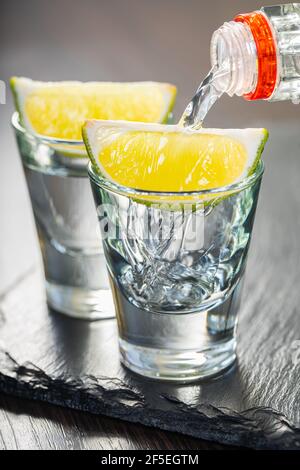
[47, 126]
[176, 208]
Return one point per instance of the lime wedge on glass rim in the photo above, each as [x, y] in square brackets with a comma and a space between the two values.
[170, 158]
[57, 110]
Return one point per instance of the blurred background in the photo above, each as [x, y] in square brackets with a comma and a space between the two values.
[118, 40]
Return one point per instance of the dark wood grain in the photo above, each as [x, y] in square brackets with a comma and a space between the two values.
[32, 425]
[164, 40]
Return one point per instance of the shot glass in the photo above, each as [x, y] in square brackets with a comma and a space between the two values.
[176, 263]
[69, 235]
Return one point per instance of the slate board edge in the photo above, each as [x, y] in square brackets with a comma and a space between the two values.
[112, 398]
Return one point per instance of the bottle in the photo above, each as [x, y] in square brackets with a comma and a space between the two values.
[258, 54]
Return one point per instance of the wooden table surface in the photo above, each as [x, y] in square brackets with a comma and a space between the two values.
[33, 425]
[166, 40]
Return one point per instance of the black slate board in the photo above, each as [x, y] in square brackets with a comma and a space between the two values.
[47, 356]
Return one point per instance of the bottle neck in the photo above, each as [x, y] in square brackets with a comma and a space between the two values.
[244, 51]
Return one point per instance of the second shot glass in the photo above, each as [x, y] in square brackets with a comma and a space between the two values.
[76, 278]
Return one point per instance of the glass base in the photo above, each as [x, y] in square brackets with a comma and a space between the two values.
[86, 304]
[178, 366]
[177, 346]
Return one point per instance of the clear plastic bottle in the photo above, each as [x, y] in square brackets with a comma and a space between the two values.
[258, 54]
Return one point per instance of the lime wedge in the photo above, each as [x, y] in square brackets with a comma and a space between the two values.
[59, 109]
[155, 157]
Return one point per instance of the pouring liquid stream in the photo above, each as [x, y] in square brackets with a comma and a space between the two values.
[208, 92]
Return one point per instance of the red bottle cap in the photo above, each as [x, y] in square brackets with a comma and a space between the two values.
[266, 54]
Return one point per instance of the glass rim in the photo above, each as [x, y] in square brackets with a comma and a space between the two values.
[15, 121]
[105, 183]
[120, 189]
